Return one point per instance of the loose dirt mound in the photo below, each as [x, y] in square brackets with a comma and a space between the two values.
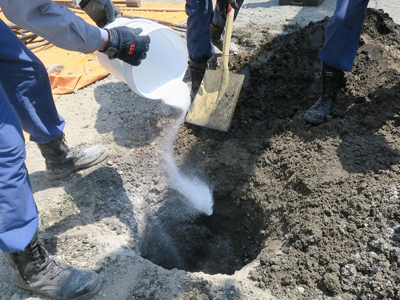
[328, 193]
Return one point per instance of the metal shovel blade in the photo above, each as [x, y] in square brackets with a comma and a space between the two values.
[215, 102]
[217, 96]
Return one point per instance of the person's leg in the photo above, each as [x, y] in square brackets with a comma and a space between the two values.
[199, 43]
[18, 214]
[338, 53]
[26, 83]
[32, 267]
[343, 34]
[217, 27]
[217, 18]
[199, 14]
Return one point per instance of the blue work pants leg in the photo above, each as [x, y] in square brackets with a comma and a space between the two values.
[343, 34]
[200, 14]
[18, 213]
[198, 33]
[26, 83]
[26, 103]
[218, 20]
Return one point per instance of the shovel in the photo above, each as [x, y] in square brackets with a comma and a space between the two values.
[215, 102]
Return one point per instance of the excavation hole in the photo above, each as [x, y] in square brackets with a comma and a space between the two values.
[221, 243]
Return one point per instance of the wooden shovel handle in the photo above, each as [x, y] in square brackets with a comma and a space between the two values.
[227, 36]
[226, 47]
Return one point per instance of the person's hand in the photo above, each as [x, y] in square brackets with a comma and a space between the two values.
[100, 11]
[126, 44]
[224, 5]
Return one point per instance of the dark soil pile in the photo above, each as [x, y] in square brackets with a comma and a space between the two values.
[321, 202]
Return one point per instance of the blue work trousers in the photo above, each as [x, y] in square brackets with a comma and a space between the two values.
[26, 103]
[343, 34]
[200, 15]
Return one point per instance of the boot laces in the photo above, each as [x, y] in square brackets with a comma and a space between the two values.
[38, 255]
[41, 261]
[58, 146]
[319, 103]
[62, 141]
[329, 87]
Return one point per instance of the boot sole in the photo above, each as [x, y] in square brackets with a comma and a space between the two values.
[91, 294]
[314, 121]
[70, 171]
[83, 297]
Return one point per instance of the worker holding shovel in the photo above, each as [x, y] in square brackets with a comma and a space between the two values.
[26, 103]
[204, 28]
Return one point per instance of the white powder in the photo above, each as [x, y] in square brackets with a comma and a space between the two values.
[177, 94]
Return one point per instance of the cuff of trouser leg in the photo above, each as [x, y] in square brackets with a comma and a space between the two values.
[16, 254]
[18, 239]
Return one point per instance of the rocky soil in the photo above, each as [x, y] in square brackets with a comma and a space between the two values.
[300, 211]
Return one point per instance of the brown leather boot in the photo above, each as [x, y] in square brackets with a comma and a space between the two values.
[35, 270]
[62, 160]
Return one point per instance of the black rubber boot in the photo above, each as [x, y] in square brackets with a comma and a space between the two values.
[62, 161]
[197, 71]
[218, 39]
[332, 79]
[35, 270]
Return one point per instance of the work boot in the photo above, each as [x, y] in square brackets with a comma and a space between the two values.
[218, 39]
[197, 71]
[332, 79]
[33, 269]
[62, 160]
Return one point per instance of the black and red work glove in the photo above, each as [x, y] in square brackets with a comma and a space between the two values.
[126, 44]
[100, 11]
[223, 7]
